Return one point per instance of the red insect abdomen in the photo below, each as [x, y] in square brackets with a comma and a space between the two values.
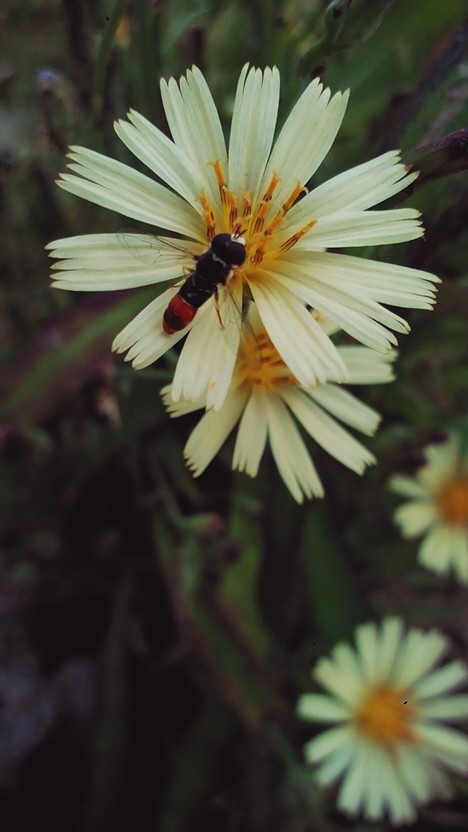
[177, 315]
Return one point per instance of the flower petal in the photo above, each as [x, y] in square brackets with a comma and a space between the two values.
[444, 548]
[252, 435]
[315, 116]
[118, 187]
[195, 126]
[341, 675]
[328, 742]
[389, 643]
[320, 708]
[446, 744]
[143, 338]
[104, 262]
[418, 653]
[358, 228]
[212, 431]
[290, 454]
[325, 430]
[356, 189]
[256, 103]
[299, 339]
[451, 708]
[415, 518]
[346, 407]
[407, 487]
[344, 290]
[152, 147]
[336, 762]
[206, 363]
[352, 791]
[365, 366]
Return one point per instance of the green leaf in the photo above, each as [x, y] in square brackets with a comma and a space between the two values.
[238, 589]
[336, 603]
[65, 356]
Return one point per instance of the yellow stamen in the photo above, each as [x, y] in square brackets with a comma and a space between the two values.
[273, 225]
[295, 193]
[232, 204]
[265, 204]
[260, 365]
[297, 236]
[259, 253]
[274, 182]
[228, 199]
[208, 216]
[386, 717]
[266, 234]
[277, 220]
[452, 501]
[255, 223]
[219, 171]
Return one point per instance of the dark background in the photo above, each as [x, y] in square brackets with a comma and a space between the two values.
[156, 631]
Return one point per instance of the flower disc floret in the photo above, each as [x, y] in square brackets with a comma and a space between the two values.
[452, 502]
[385, 717]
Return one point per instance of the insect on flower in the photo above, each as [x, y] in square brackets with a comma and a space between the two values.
[211, 270]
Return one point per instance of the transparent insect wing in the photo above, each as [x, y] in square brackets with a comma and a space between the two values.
[228, 309]
[236, 326]
[153, 250]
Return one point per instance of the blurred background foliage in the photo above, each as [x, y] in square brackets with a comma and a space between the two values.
[155, 631]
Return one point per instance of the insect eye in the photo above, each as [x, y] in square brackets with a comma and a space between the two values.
[220, 244]
[229, 250]
[237, 253]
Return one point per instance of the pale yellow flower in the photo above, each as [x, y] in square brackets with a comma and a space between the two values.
[437, 508]
[268, 403]
[389, 747]
[201, 187]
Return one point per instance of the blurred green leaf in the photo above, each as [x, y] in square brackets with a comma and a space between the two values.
[237, 675]
[109, 756]
[335, 601]
[238, 590]
[198, 764]
[66, 355]
[104, 52]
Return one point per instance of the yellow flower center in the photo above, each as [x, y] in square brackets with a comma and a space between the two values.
[452, 501]
[386, 716]
[123, 34]
[257, 224]
[259, 363]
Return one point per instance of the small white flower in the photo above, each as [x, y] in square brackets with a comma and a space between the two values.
[389, 747]
[267, 401]
[437, 508]
[252, 187]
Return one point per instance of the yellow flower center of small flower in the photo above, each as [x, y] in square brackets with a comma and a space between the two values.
[259, 363]
[123, 34]
[257, 224]
[386, 716]
[452, 501]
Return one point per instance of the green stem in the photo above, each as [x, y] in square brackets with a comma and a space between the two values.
[105, 49]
